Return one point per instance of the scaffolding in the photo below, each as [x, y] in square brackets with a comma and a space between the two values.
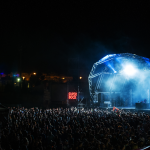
[103, 68]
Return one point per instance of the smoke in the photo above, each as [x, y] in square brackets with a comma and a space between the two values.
[90, 50]
[142, 85]
[139, 83]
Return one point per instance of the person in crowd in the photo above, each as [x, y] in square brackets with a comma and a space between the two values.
[71, 129]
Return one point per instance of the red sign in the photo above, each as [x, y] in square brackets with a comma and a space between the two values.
[72, 95]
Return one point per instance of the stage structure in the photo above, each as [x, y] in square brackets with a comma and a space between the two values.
[120, 80]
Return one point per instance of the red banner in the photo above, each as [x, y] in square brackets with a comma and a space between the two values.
[72, 95]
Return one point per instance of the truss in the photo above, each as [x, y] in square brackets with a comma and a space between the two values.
[95, 88]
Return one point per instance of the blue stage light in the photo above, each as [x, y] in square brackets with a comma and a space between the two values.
[112, 68]
[129, 70]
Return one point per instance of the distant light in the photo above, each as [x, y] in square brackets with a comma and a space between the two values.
[27, 79]
[14, 83]
[80, 77]
[34, 73]
[16, 75]
[23, 78]
[28, 85]
[63, 78]
[18, 79]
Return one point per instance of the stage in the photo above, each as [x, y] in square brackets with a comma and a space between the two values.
[121, 80]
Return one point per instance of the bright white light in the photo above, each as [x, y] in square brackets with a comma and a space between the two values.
[129, 70]
[18, 79]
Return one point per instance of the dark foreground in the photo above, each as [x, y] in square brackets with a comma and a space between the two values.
[71, 129]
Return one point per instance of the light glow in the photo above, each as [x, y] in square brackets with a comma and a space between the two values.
[18, 79]
[129, 70]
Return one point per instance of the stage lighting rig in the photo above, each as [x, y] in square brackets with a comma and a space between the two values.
[129, 70]
[119, 69]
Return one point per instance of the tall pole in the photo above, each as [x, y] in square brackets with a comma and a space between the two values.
[20, 50]
[78, 78]
[67, 93]
[78, 93]
[78, 99]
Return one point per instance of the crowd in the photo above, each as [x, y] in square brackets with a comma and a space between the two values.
[73, 129]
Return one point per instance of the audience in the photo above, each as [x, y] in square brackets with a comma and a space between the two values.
[73, 129]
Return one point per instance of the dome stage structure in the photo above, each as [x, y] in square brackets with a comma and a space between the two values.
[120, 80]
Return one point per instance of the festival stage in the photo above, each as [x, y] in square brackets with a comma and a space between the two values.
[121, 80]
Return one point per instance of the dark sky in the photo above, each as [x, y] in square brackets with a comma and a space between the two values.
[52, 35]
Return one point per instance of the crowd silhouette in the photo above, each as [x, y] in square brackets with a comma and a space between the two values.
[74, 129]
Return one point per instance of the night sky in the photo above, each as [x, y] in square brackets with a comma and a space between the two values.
[54, 36]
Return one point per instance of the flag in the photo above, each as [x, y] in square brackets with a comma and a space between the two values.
[115, 109]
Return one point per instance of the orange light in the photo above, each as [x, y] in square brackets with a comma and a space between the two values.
[80, 77]
[63, 78]
[23, 78]
[14, 83]
[34, 73]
